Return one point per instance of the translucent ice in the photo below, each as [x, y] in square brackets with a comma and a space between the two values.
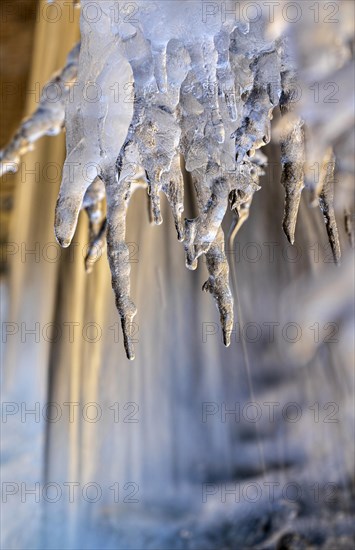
[169, 83]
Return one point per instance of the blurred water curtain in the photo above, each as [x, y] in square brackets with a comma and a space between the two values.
[189, 87]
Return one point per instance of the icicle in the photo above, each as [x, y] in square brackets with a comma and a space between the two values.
[96, 130]
[173, 187]
[201, 90]
[326, 204]
[48, 119]
[292, 178]
[292, 157]
[240, 199]
[226, 81]
[218, 284]
[201, 232]
[255, 130]
[154, 131]
[118, 186]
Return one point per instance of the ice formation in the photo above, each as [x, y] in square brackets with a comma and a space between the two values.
[48, 119]
[181, 83]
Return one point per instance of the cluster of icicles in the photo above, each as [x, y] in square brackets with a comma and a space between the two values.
[204, 91]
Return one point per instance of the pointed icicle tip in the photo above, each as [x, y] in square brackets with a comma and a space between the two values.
[326, 204]
[288, 230]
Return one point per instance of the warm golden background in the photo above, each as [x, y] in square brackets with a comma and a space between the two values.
[17, 27]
